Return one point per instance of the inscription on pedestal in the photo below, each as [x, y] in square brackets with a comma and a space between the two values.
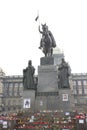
[47, 61]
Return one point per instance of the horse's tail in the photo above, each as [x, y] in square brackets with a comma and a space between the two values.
[53, 40]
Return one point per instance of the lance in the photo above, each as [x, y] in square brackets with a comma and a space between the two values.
[38, 19]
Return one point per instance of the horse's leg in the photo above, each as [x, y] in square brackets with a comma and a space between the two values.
[51, 51]
[45, 53]
[48, 54]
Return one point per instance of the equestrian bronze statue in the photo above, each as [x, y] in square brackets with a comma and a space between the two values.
[47, 42]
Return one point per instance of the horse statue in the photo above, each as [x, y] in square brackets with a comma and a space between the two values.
[47, 42]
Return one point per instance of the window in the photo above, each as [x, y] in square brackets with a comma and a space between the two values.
[9, 102]
[16, 89]
[10, 89]
[10, 84]
[84, 82]
[21, 85]
[14, 102]
[80, 91]
[74, 83]
[82, 101]
[74, 87]
[20, 93]
[74, 91]
[15, 93]
[79, 82]
[6, 89]
[10, 93]
[85, 91]
[15, 84]
[75, 101]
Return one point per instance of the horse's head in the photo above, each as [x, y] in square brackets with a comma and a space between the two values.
[44, 27]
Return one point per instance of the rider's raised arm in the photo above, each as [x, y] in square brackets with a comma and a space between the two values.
[40, 30]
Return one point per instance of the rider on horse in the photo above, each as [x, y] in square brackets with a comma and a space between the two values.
[47, 40]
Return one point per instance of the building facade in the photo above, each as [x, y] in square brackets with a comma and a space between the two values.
[79, 84]
[12, 89]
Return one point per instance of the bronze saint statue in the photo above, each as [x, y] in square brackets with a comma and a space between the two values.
[28, 76]
[47, 42]
[63, 75]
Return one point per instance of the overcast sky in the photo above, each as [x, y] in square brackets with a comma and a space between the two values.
[19, 36]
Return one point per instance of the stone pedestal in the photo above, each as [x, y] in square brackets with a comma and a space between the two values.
[66, 100]
[47, 89]
[29, 95]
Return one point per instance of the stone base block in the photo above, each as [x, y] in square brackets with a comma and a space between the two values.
[47, 79]
[47, 60]
[29, 100]
[66, 100]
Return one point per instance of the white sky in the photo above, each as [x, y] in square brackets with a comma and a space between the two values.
[19, 36]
